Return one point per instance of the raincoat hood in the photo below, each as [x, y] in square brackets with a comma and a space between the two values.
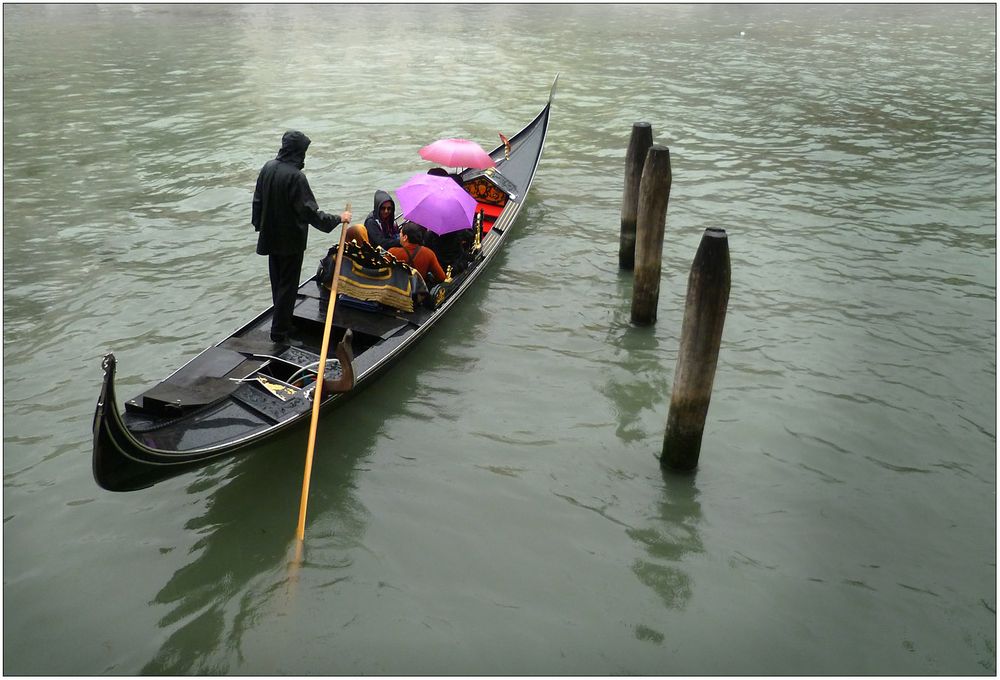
[293, 148]
[381, 233]
[380, 198]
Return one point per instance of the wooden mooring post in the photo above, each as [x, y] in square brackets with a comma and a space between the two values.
[651, 221]
[635, 158]
[701, 337]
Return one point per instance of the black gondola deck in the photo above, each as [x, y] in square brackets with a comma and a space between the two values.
[214, 405]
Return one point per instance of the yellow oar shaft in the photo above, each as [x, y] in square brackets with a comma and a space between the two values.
[300, 532]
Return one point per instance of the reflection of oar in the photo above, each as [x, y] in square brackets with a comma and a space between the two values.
[318, 390]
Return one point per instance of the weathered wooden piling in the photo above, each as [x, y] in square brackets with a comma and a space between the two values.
[701, 336]
[635, 158]
[651, 220]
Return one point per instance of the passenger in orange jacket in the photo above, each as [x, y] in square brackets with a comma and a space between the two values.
[418, 256]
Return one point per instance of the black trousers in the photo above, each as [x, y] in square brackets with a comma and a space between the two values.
[284, 271]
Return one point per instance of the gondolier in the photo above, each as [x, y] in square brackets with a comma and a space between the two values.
[283, 209]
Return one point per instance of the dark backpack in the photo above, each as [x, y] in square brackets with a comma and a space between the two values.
[324, 273]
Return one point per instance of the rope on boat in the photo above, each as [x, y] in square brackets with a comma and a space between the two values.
[312, 368]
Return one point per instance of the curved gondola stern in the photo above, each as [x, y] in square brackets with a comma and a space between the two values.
[113, 470]
[102, 439]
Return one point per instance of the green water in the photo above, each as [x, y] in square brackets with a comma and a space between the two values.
[494, 505]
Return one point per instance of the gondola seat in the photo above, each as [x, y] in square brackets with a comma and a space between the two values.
[490, 215]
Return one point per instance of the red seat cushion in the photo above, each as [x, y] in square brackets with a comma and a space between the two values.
[490, 215]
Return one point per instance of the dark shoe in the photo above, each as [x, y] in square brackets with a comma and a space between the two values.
[279, 339]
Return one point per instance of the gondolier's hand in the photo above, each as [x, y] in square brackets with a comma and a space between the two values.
[345, 217]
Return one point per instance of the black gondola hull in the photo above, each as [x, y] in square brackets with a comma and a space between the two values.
[213, 407]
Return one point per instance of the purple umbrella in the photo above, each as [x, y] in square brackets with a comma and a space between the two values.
[437, 203]
[457, 153]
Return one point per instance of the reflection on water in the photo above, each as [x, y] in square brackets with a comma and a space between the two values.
[673, 534]
[242, 562]
[636, 379]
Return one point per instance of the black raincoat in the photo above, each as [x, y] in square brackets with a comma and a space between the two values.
[283, 203]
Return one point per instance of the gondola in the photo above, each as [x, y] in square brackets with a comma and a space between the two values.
[245, 389]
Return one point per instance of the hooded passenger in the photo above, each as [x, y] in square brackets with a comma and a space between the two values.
[381, 222]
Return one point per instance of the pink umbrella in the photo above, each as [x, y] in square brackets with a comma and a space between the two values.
[457, 153]
[437, 203]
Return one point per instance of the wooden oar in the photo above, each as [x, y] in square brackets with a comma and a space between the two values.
[318, 389]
